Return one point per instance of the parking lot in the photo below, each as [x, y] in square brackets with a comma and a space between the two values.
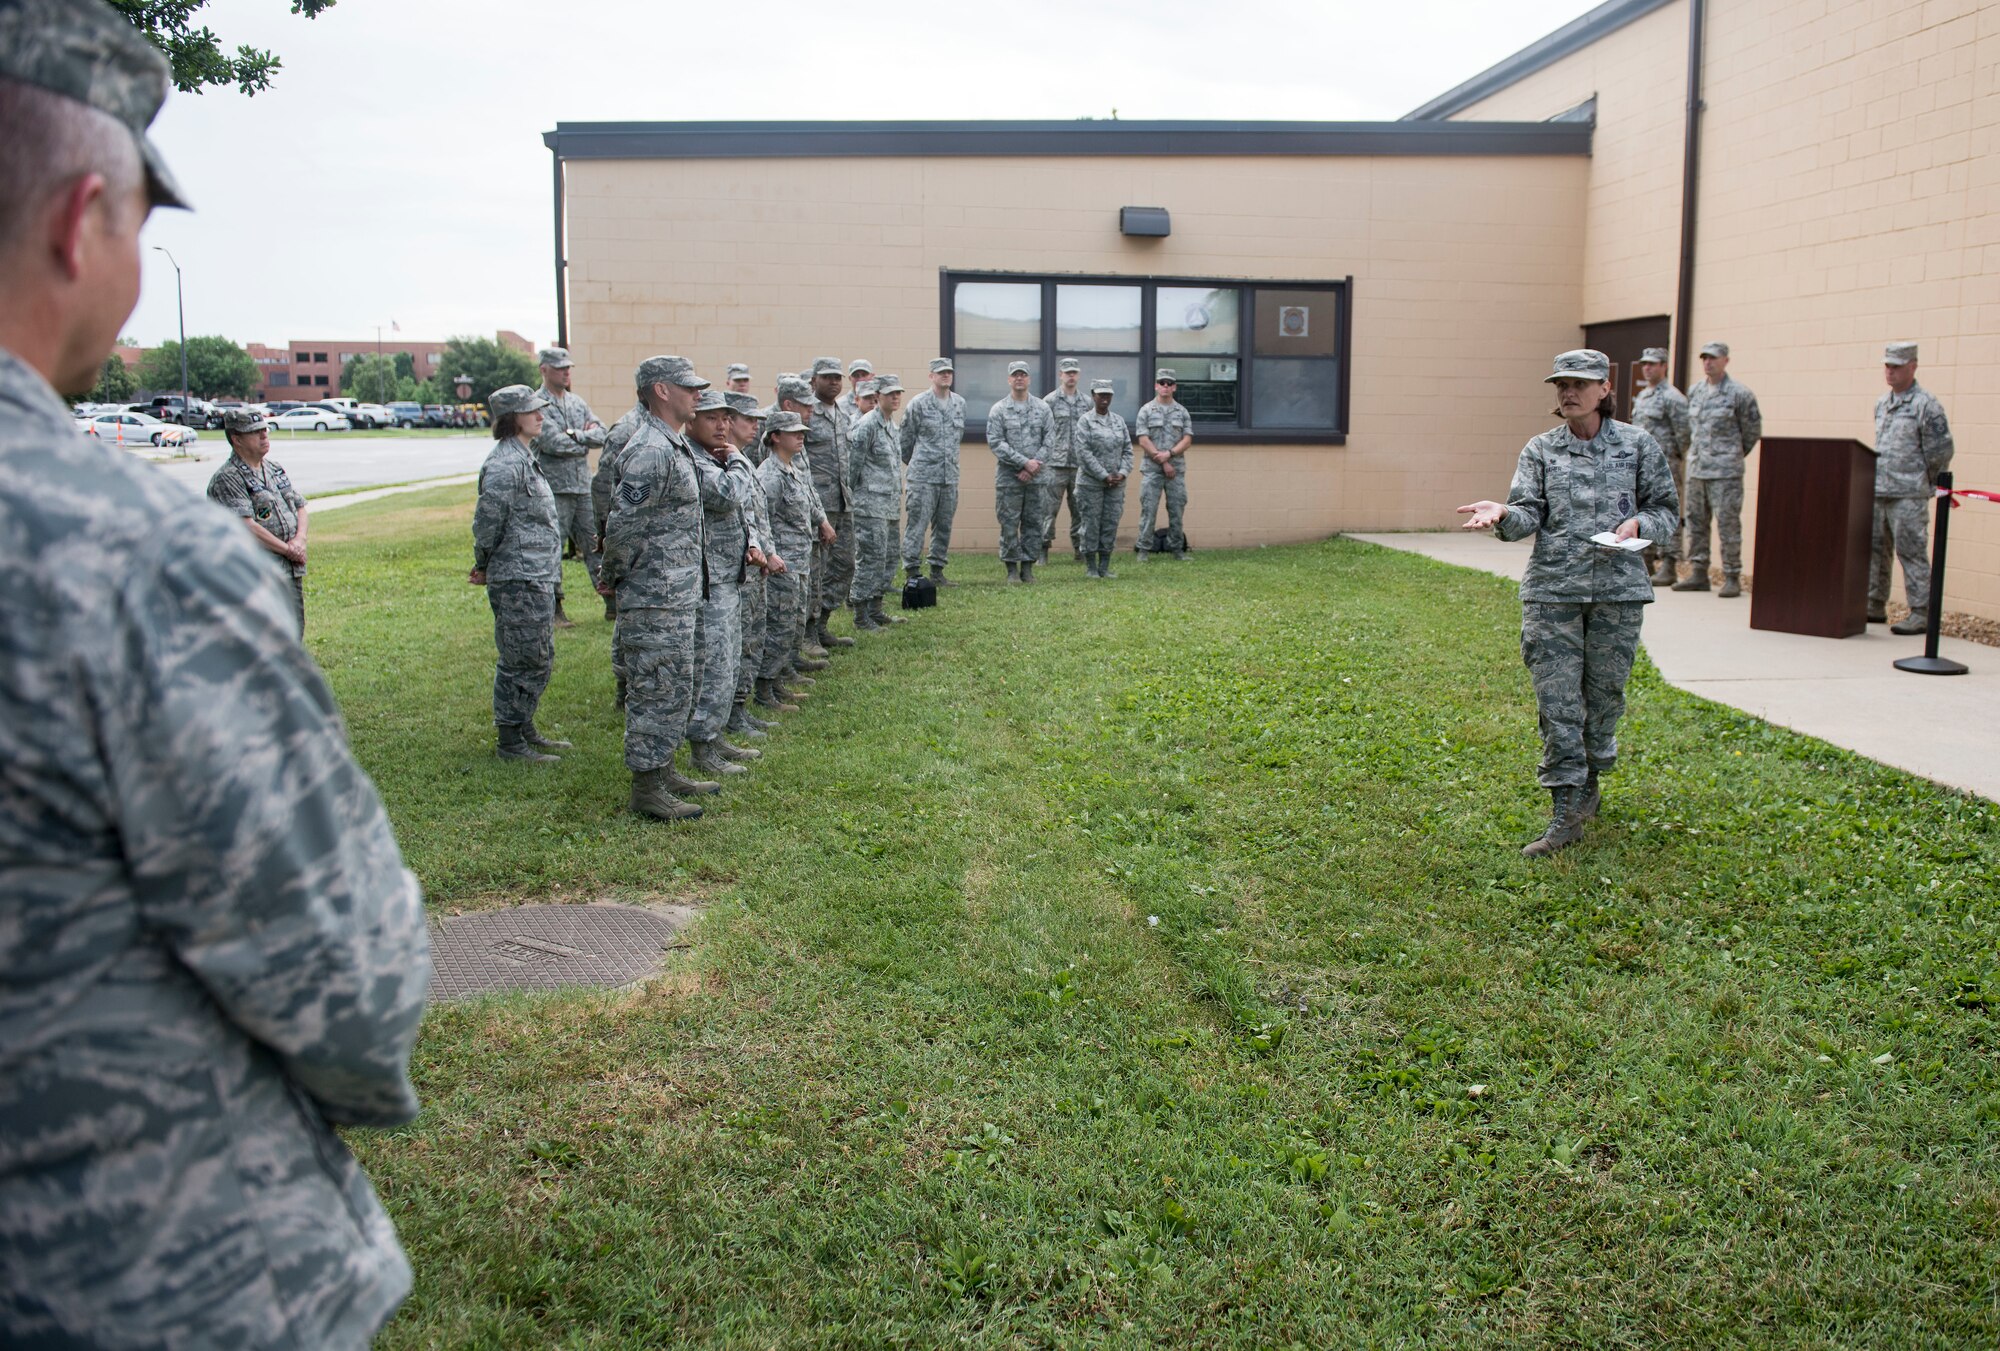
[326, 464]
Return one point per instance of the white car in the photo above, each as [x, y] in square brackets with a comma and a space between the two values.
[139, 428]
[310, 419]
[370, 415]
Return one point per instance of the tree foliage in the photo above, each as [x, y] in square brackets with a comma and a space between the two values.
[114, 383]
[378, 379]
[490, 363]
[196, 54]
[216, 368]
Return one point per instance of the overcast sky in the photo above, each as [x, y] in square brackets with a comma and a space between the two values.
[395, 171]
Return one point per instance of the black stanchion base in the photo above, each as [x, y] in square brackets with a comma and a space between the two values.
[1931, 665]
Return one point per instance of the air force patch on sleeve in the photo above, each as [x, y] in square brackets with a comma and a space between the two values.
[634, 494]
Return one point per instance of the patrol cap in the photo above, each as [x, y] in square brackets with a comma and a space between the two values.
[1163, 376]
[1899, 354]
[1067, 364]
[939, 364]
[243, 421]
[888, 384]
[864, 388]
[1017, 368]
[796, 388]
[737, 371]
[669, 370]
[87, 51]
[783, 421]
[1102, 387]
[514, 399]
[711, 401]
[1654, 354]
[1582, 364]
[825, 366]
[742, 402]
[1716, 349]
[860, 366]
[558, 357]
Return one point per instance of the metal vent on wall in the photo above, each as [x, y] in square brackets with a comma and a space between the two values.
[1147, 221]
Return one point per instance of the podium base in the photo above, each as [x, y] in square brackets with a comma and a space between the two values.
[1931, 665]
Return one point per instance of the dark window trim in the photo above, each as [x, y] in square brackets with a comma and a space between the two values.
[819, 140]
[1573, 36]
[1149, 356]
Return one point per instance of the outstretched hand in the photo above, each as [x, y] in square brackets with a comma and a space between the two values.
[1485, 515]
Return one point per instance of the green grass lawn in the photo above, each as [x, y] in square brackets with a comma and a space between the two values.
[1153, 962]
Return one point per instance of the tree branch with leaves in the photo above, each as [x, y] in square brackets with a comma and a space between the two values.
[196, 54]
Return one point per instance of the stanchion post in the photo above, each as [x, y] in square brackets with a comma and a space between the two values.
[1931, 663]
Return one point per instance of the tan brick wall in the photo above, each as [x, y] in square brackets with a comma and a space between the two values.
[1850, 195]
[1465, 284]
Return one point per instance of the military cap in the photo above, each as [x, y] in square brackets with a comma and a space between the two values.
[514, 399]
[711, 401]
[1899, 354]
[667, 370]
[783, 422]
[940, 364]
[1068, 364]
[863, 388]
[888, 384]
[1017, 368]
[1716, 349]
[1656, 354]
[243, 421]
[557, 357]
[741, 402]
[737, 370]
[860, 366]
[825, 366]
[1582, 364]
[796, 388]
[1163, 376]
[87, 51]
[1102, 387]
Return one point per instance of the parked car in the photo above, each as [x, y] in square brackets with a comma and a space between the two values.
[277, 406]
[437, 415]
[310, 418]
[370, 415]
[406, 414]
[194, 413]
[127, 427]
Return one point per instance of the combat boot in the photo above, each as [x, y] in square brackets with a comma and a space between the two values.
[812, 651]
[708, 758]
[1027, 572]
[1878, 616]
[882, 616]
[1694, 581]
[1731, 587]
[937, 575]
[563, 621]
[768, 697]
[1663, 575]
[864, 618]
[686, 787]
[620, 700]
[1565, 823]
[731, 751]
[516, 746]
[1142, 555]
[1911, 624]
[1593, 797]
[915, 573]
[784, 689]
[804, 682]
[651, 798]
[1013, 574]
[536, 739]
[828, 638]
[1104, 567]
[742, 724]
[804, 663]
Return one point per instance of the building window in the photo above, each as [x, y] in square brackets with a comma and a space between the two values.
[319, 381]
[1256, 361]
[281, 377]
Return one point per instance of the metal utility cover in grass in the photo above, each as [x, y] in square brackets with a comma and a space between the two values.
[547, 947]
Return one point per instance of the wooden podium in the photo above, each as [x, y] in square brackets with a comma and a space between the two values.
[1815, 503]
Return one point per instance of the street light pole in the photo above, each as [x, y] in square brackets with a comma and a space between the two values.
[180, 303]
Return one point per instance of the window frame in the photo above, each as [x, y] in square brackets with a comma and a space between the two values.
[1149, 356]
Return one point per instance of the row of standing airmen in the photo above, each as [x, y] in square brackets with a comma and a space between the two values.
[724, 536]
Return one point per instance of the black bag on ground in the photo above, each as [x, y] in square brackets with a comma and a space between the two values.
[919, 593]
[1163, 541]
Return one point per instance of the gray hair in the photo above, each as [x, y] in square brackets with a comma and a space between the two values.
[51, 142]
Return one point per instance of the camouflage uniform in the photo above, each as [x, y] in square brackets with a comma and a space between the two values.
[1019, 430]
[562, 449]
[827, 438]
[604, 482]
[1166, 424]
[655, 559]
[1059, 476]
[932, 431]
[1726, 425]
[726, 541]
[1912, 447]
[517, 542]
[795, 519]
[756, 586]
[1661, 411]
[875, 487]
[1103, 449]
[210, 951]
[266, 496]
[1580, 604]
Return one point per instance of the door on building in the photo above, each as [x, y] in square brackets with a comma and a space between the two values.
[1622, 341]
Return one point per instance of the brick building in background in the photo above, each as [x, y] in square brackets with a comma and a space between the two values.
[309, 368]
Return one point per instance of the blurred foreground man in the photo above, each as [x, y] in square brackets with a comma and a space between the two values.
[209, 946]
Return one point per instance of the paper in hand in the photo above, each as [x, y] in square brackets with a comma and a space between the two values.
[1605, 539]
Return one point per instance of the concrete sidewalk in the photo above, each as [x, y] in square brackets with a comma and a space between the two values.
[1945, 728]
[335, 501]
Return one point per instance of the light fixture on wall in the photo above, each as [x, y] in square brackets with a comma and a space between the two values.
[1151, 222]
